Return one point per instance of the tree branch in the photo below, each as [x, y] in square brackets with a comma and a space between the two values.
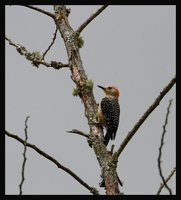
[166, 180]
[161, 146]
[93, 16]
[84, 89]
[41, 11]
[143, 118]
[78, 132]
[36, 57]
[53, 40]
[24, 157]
[47, 156]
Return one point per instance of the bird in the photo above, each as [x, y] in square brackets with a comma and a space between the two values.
[109, 112]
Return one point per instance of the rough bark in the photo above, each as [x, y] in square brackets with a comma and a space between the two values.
[108, 166]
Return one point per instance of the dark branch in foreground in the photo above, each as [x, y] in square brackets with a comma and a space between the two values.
[166, 180]
[24, 157]
[91, 189]
[143, 118]
[93, 16]
[161, 146]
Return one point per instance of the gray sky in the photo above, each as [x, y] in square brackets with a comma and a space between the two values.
[132, 47]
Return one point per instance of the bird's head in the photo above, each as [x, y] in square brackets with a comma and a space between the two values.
[110, 90]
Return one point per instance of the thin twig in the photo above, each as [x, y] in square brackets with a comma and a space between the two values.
[78, 132]
[47, 156]
[24, 157]
[53, 40]
[35, 57]
[112, 149]
[144, 117]
[91, 18]
[166, 180]
[10, 42]
[119, 181]
[41, 11]
[161, 146]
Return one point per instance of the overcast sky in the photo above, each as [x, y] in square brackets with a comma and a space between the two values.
[131, 47]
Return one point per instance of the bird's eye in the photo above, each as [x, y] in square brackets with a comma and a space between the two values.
[109, 88]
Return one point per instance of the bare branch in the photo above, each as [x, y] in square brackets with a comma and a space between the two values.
[78, 132]
[36, 57]
[10, 42]
[166, 180]
[53, 40]
[144, 117]
[47, 156]
[161, 146]
[41, 11]
[24, 157]
[93, 16]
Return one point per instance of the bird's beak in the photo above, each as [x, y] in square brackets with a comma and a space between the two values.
[103, 88]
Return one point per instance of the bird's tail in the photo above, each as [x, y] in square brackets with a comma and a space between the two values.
[110, 135]
[107, 138]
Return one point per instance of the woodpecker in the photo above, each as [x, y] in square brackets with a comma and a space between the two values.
[109, 111]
